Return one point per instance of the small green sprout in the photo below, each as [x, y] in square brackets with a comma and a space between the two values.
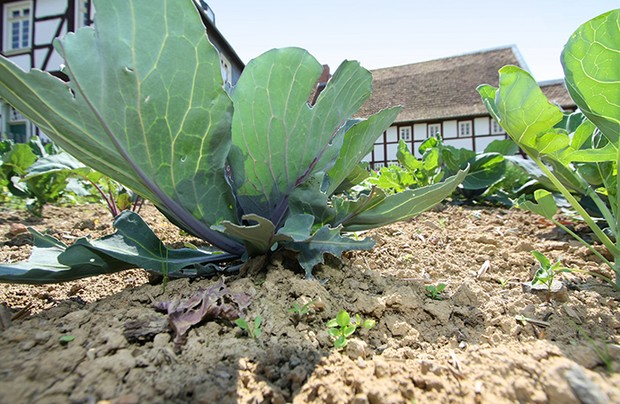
[546, 272]
[253, 328]
[434, 291]
[65, 339]
[300, 311]
[504, 282]
[343, 327]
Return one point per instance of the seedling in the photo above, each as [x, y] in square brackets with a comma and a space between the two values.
[65, 339]
[504, 282]
[434, 291]
[299, 311]
[343, 327]
[546, 272]
[252, 328]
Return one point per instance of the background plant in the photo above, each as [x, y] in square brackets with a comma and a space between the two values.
[250, 171]
[590, 59]
[435, 291]
[493, 175]
[343, 326]
[252, 328]
[545, 274]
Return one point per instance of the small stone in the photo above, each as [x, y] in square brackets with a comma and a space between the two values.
[381, 367]
[26, 345]
[161, 340]
[586, 391]
[360, 398]
[42, 336]
[397, 327]
[356, 348]
[558, 291]
[17, 228]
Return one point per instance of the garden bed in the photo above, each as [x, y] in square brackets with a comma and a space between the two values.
[471, 346]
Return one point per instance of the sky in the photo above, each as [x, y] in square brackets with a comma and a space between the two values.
[396, 32]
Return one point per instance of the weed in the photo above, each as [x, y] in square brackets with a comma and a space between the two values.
[252, 328]
[435, 291]
[300, 311]
[546, 272]
[343, 327]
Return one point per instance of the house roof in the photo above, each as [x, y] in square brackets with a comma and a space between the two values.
[216, 36]
[443, 88]
[556, 92]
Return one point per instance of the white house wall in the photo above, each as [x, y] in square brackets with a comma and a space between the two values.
[46, 30]
[459, 143]
[448, 129]
[386, 146]
[483, 142]
[22, 61]
[482, 126]
[50, 7]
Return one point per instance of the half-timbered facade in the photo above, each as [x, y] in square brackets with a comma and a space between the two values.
[30, 26]
[440, 97]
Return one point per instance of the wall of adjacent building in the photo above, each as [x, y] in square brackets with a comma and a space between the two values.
[482, 131]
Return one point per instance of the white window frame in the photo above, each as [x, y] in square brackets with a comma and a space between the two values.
[82, 14]
[405, 133]
[433, 129]
[17, 119]
[465, 129]
[496, 128]
[10, 21]
[378, 165]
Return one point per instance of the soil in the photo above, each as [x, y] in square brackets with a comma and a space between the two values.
[489, 338]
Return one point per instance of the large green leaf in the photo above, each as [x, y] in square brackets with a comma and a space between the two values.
[545, 204]
[520, 106]
[591, 61]
[404, 205]
[358, 142]
[485, 170]
[271, 157]
[144, 104]
[133, 245]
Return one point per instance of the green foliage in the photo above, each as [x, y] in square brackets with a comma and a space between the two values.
[252, 328]
[492, 176]
[343, 326]
[578, 155]
[299, 312]
[41, 174]
[250, 171]
[545, 274]
[435, 291]
[65, 339]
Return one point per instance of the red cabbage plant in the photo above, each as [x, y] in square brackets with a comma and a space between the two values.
[249, 169]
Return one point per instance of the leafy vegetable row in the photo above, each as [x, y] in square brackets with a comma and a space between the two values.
[249, 169]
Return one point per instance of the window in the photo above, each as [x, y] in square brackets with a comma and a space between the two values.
[496, 128]
[18, 26]
[18, 127]
[378, 166]
[434, 129]
[82, 14]
[405, 133]
[225, 69]
[465, 129]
